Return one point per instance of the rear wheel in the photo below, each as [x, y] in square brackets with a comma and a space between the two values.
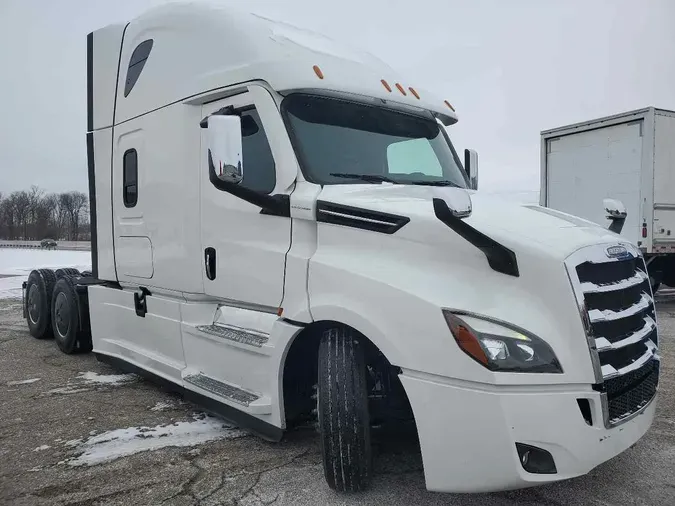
[39, 290]
[344, 420]
[66, 271]
[65, 315]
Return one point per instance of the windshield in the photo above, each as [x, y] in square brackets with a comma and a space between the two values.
[339, 141]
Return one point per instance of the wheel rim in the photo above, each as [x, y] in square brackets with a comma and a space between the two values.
[33, 304]
[62, 314]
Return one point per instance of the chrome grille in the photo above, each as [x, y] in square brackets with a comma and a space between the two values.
[617, 306]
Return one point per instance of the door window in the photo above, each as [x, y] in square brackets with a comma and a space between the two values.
[258, 162]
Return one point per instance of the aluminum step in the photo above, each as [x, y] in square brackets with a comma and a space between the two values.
[237, 334]
[221, 389]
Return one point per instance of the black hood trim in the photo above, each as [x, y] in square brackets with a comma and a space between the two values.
[500, 258]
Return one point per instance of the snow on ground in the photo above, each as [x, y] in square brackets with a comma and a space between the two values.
[17, 264]
[23, 382]
[90, 377]
[117, 443]
[86, 380]
[166, 405]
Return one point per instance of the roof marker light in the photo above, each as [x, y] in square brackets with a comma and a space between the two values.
[386, 85]
[449, 105]
[318, 72]
[400, 88]
[415, 94]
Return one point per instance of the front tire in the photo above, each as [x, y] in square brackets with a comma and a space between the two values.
[344, 420]
[39, 290]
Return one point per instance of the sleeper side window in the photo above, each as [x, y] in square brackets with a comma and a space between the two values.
[130, 178]
[136, 64]
[258, 162]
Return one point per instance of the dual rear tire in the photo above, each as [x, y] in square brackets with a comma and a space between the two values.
[52, 309]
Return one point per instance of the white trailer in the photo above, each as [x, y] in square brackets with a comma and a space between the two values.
[281, 227]
[629, 157]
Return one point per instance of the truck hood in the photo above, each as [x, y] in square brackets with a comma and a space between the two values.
[512, 224]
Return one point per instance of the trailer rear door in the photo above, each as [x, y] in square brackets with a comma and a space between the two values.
[664, 181]
[585, 167]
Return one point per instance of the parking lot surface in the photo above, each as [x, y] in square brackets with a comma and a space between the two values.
[74, 431]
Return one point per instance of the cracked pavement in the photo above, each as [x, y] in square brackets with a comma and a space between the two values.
[41, 422]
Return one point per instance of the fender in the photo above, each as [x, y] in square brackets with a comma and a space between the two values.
[344, 314]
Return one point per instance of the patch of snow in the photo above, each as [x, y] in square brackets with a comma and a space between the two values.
[23, 382]
[90, 377]
[41, 448]
[73, 442]
[35, 469]
[85, 380]
[11, 307]
[163, 406]
[66, 390]
[114, 444]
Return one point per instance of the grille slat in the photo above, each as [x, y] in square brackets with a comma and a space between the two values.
[618, 302]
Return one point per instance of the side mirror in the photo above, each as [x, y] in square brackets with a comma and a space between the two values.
[471, 166]
[224, 148]
[457, 200]
[616, 212]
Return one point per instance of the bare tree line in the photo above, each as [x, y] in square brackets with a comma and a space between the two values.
[36, 215]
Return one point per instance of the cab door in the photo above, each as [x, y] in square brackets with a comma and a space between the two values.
[244, 250]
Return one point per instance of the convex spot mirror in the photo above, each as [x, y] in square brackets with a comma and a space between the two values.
[458, 201]
[225, 148]
[614, 209]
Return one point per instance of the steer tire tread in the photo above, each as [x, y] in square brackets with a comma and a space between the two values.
[344, 420]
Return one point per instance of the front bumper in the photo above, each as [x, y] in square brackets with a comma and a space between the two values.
[468, 433]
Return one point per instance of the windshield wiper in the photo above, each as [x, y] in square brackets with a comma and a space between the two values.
[370, 178]
[434, 183]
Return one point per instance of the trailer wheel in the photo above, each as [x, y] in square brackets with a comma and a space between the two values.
[39, 290]
[342, 406]
[65, 315]
[66, 271]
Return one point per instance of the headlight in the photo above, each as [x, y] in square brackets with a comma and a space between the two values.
[500, 346]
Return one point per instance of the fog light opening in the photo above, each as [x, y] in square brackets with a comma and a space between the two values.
[535, 460]
[585, 408]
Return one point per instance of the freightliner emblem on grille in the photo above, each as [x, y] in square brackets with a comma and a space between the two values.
[616, 251]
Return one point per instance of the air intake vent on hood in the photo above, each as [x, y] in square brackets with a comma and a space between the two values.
[356, 217]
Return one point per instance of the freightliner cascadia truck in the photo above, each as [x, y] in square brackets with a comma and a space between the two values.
[282, 231]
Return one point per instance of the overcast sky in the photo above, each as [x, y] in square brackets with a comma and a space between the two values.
[510, 67]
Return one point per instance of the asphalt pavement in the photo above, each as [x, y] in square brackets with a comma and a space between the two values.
[74, 431]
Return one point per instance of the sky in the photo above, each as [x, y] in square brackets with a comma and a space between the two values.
[511, 68]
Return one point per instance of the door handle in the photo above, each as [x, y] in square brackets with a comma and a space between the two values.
[210, 263]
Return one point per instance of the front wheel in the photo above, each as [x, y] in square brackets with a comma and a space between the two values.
[344, 420]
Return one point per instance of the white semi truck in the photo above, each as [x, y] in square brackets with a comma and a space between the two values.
[281, 224]
[630, 157]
